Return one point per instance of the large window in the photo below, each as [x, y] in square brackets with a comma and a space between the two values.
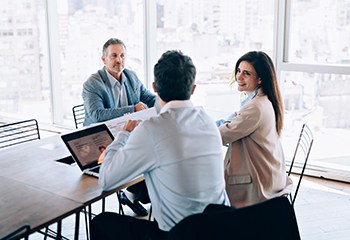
[314, 71]
[215, 34]
[48, 48]
[325, 37]
[24, 81]
[84, 26]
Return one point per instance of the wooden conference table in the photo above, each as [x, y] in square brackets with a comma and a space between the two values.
[23, 204]
[37, 190]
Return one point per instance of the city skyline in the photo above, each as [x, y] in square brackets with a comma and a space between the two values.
[213, 33]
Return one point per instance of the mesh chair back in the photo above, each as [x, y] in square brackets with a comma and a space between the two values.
[301, 156]
[19, 132]
[79, 115]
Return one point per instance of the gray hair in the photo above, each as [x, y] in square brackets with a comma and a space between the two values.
[112, 41]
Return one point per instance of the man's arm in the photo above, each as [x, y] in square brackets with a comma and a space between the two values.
[147, 97]
[143, 94]
[127, 157]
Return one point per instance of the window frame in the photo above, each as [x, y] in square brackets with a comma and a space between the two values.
[282, 28]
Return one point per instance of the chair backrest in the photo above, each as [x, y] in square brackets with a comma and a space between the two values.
[301, 156]
[79, 115]
[273, 219]
[19, 132]
[19, 233]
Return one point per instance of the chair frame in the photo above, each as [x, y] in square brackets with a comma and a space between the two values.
[78, 115]
[19, 132]
[304, 144]
[19, 233]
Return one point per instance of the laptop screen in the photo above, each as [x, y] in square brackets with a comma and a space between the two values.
[87, 145]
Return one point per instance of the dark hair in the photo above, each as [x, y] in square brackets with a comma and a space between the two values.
[111, 41]
[265, 70]
[174, 76]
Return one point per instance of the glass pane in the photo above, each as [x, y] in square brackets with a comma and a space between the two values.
[24, 83]
[321, 100]
[215, 34]
[84, 28]
[326, 36]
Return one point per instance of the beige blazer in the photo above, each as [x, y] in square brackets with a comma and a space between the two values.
[254, 163]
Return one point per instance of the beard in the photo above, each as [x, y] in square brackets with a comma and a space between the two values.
[115, 71]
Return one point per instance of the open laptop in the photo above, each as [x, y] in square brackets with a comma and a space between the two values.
[86, 146]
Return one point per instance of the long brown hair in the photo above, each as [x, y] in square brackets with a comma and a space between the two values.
[265, 70]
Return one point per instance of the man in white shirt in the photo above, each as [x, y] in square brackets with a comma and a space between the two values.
[112, 92]
[178, 152]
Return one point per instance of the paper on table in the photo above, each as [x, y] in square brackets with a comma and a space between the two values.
[116, 124]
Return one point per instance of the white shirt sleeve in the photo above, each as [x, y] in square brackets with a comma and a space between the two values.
[125, 162]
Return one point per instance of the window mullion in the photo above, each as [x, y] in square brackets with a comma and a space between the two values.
[54, 62]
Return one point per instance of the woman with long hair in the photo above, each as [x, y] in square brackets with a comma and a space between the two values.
[254, 163]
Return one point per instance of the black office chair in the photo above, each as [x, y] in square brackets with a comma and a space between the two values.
[19, 233]
[19, 132]
[79, 115]
[301, 156]
[273, 219]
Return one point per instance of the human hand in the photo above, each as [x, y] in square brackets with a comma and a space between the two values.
[130, 125]
[140, 106]
[232, 116]
[101, 157]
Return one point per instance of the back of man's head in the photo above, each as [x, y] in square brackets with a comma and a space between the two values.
[174, 76]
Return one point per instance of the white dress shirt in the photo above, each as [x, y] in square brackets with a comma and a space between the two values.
[119, 92]
[180, 155]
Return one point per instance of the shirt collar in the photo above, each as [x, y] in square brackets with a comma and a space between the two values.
[113, 80]
[250, 97]
[176, 104]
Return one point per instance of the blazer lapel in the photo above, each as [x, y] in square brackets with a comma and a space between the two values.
[103, 75]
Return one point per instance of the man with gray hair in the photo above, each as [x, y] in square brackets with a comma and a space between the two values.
[112, 92]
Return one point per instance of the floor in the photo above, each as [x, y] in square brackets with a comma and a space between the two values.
[322, 210]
